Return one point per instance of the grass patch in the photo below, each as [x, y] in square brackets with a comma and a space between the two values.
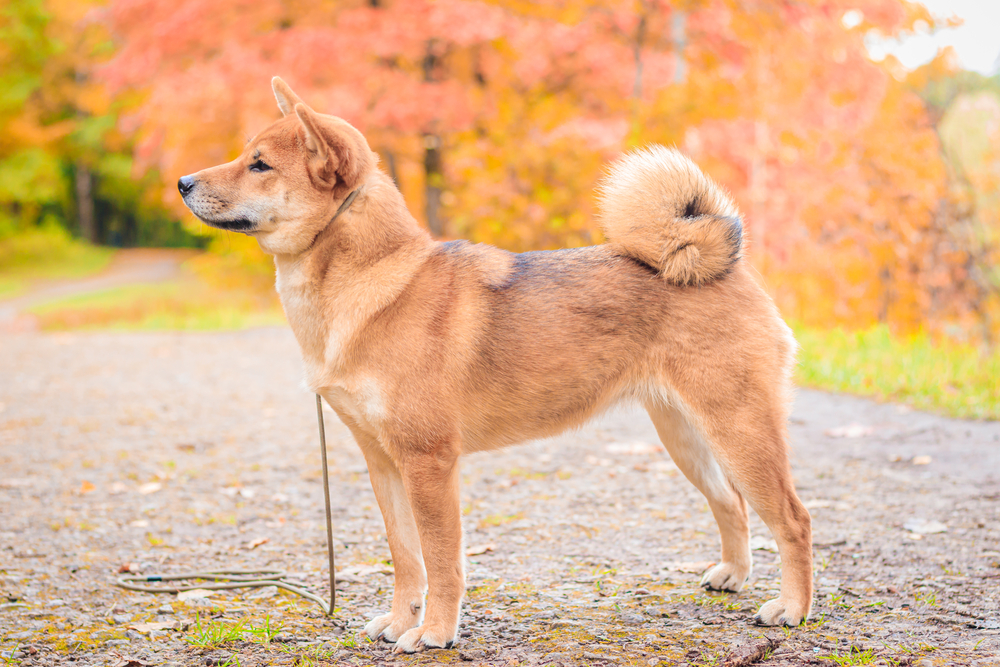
[941, 376]
[46, 253]
[189, 303]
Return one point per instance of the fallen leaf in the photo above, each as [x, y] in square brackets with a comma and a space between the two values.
[365, 570]
[87, 487]
[479, 549]
[194, 594]
[253, 544]
[150, 487]
[924, 527]
[690, 568]
[753, 652]
[145, 628]
[854, 430]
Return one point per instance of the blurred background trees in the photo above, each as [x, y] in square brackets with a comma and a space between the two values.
[870, 192]
[65, 163]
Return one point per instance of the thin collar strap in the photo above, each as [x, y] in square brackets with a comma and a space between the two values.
[343, 207]
[346, 205]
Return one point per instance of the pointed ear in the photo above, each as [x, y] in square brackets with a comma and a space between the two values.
[338, 153]
[286, 98]
[315, 142]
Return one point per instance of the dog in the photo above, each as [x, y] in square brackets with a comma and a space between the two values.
[428, 350]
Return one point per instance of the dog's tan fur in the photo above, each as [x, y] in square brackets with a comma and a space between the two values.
[429, 350]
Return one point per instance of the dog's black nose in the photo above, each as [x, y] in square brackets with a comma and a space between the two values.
[186, 184]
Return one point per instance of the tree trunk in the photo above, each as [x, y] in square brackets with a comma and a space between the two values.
[433, 178]
[433, 181]
[85, 204]
[679, 33]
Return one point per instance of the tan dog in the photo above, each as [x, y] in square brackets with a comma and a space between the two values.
[430, 350]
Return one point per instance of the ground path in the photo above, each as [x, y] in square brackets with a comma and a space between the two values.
[168, 452]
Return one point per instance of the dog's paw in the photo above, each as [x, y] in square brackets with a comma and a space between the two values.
[388, 627]
[424, 637]
[725, 577]
[781, 612]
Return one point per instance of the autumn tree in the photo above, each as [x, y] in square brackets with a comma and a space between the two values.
[496, 119]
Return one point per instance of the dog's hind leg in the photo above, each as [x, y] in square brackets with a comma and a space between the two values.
[693, 455]
[404, 542]
[747, 442]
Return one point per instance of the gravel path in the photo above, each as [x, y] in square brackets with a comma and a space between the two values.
[172, 452]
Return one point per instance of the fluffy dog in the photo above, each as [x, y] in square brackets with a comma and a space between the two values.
[429, 350]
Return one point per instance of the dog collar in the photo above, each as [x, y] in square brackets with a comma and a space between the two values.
[346, 205]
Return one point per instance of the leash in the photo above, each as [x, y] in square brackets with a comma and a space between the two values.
[251, 578]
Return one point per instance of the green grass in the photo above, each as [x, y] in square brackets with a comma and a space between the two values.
[213, 634]
[942, 376]
[865, 657]
[185, 304]
[47, 253]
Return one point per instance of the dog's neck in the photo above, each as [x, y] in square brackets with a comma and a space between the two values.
[358, 265]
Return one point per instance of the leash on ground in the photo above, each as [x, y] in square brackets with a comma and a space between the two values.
[228, 578]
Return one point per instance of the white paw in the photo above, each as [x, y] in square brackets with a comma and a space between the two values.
[725, 577]
[389, 628]
[425, 637]
[781, 612]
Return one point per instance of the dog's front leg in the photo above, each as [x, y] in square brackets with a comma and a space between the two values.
[432, 486]
[404, 543]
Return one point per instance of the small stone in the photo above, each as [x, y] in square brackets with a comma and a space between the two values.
[632, 619]
[165, 609]
[116, 642]
[121, 619]
[472, 654]
[133, 635]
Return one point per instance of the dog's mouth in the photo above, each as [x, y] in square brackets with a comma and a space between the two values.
[241, 225]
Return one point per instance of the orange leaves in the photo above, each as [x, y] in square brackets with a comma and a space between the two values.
[834, 162]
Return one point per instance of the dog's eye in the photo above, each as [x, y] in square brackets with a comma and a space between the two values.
[260, 165]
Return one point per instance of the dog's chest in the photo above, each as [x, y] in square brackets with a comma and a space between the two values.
[362, 399]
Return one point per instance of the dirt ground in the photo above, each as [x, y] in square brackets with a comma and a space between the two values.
[162, 453]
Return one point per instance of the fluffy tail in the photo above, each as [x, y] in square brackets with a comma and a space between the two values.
[659, 208]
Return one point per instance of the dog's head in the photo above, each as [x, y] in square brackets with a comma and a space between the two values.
[289, 181]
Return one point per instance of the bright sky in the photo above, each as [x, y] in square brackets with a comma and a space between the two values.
[976, 41]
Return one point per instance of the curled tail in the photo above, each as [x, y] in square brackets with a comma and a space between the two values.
[659, 208]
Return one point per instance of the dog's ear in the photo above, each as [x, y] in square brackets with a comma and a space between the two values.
[332, 157]
[287, 99]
